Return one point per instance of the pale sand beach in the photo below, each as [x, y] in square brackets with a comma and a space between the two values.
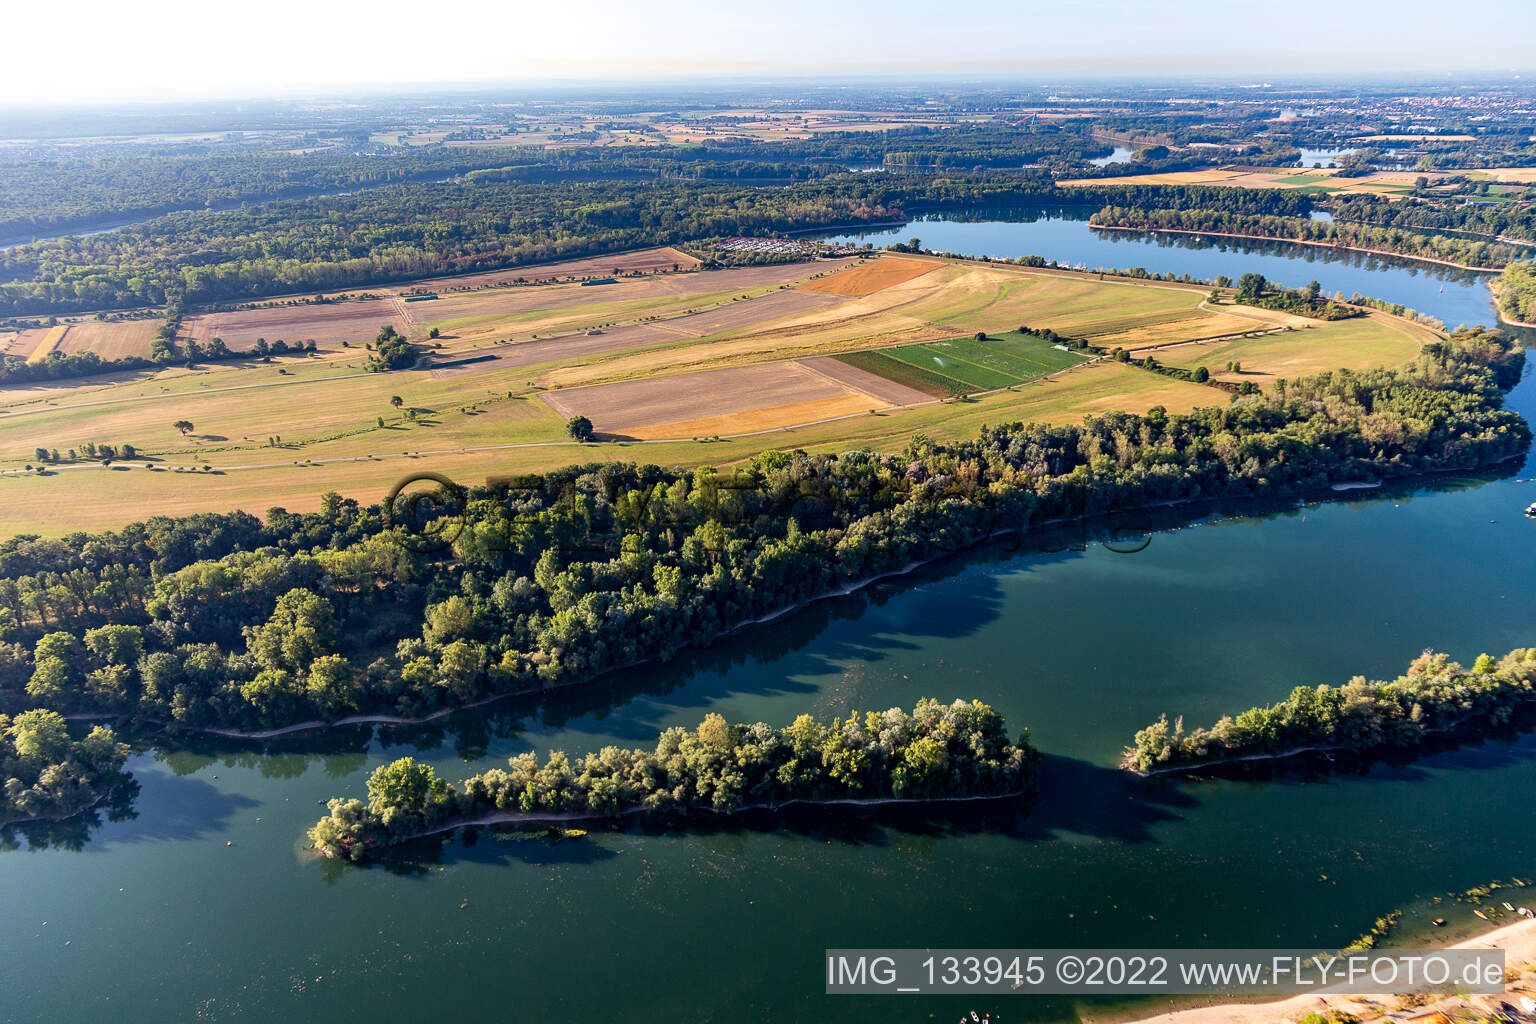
[1518, 940]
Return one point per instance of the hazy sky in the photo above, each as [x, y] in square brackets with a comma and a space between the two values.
[103, 49]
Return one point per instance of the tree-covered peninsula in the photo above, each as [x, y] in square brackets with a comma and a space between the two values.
[47, 775]
[1435, 696]
[937, 752]
[228, 622]
[1517, 293]
[1481, 253]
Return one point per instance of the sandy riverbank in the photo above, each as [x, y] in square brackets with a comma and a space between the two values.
[1518, 940]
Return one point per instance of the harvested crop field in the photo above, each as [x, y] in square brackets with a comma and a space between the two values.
[968, 298]
[47, 343]
[845, 370]
[1357, 344]
[112, 340]
[1320, 180]
[328, 324]
[493, 313]
[737, 398]
[645, 261]
[871, 277]
[21, 343]
[747, 312]
[1515, 175]
[770, 417]
[570, 347]
[1214, 325]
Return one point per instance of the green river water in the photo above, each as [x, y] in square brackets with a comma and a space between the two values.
[156, 917]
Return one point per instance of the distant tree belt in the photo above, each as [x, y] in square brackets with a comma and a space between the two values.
[1276, 202]
[1497, 220]
[45, 775]
[57, 188]
[407, 231]
[937, 752]
[1517, 292]
[414, 230]
[1451, 249]
[228, 622]
[1436, 695]
[163, 351]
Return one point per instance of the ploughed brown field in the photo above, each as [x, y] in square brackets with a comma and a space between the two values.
[329, 324]
[738, 399]
[871, 277]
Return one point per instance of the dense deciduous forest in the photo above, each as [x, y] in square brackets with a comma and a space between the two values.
[56, 189]
[1517, 292]
[225, 621]
[1499, 220]
[937, 752]
[44, 774]
[1436, 695]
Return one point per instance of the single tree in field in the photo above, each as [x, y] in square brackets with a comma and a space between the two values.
[579, 427]
[396, 401]
[1252, 285]
[185, 426]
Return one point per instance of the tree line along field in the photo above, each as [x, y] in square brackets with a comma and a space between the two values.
[679, 368]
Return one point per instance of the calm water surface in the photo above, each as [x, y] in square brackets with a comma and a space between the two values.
[155, 918]
[1063, 234]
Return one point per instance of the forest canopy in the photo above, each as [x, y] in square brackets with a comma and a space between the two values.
[936, 752]
[1435, 695]
[45, 774]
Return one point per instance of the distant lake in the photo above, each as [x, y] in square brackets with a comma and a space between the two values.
[1063, 234]
[1322, 157]
[1121, 155]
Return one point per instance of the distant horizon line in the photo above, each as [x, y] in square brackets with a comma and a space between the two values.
[1258, 80]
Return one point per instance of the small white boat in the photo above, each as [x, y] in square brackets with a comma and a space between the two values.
[1482, 915]
[1525, 912]
[1531, 511]
[1509, 908]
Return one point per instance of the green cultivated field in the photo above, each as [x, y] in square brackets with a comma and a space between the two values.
[1023, 356]
[929, 357]
[905, 374]
[963, 365]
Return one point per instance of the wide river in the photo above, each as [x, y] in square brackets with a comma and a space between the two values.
[157, 917]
